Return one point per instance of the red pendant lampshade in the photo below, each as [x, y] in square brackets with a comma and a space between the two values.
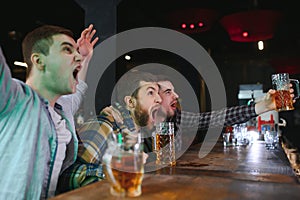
[251, 26]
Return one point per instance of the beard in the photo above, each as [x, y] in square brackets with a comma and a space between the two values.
[141, 116]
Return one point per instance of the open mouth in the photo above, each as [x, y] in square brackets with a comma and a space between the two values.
[174, 105]
[75, 73]
[154, 114]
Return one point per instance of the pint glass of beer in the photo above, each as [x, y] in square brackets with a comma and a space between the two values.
[164, 144]
[281, 83]
[124, 166]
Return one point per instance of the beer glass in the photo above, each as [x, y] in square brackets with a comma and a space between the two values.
[124, 166]
[228, 137]
[270, 137]
[164, 144]
[281, 83]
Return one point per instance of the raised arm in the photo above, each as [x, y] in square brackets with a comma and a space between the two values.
[86, 46]
[267, 103]
[219, 118]
[229, 116]
[7, 86]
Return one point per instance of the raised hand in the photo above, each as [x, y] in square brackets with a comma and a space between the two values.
[268, 102]
[86, 45]
[85, 42]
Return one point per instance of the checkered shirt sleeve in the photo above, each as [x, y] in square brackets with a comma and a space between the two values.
[223, 117]
[78, 175]
[92, 145]
[93, 137]
[93, 140]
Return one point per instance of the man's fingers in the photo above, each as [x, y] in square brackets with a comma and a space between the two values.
[117, 115]
[94, 41]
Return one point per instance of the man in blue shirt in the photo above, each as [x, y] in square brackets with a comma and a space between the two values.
[32, 124]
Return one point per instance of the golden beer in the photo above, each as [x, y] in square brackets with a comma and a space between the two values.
[281, 83]
[283, 100]
[164, 143]
[165, 147]
[125, 173]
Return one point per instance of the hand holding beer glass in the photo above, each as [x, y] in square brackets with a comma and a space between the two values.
[124, 165]
[281, 83]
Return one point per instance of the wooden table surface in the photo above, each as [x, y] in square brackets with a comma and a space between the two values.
[243, 172]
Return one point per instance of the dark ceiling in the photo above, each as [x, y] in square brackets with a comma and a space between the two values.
[18, 18]
[286, 38]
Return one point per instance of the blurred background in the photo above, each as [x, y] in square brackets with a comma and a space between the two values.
[247, 39]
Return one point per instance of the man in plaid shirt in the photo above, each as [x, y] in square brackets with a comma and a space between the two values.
[138, 102]
[139, 110]
[189, 121]
[233, 115]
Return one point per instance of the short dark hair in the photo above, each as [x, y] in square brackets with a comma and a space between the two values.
[162, 77]
[129, 84]
[39, 40]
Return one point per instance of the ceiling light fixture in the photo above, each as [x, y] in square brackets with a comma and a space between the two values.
[260, 23]
[22, 64]
[190, 16]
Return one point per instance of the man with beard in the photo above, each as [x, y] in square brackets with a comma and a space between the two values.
[183, 120]
[170, 110]
[137, 99]
[233, 115]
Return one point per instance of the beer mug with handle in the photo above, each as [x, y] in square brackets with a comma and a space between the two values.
[123, 164]
[281, 83]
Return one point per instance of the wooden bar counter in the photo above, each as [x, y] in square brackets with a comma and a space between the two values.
[240, 172]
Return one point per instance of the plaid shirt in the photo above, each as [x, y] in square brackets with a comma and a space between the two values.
[224, 117]
[93, 137]
[189, 121]
[94, 134]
